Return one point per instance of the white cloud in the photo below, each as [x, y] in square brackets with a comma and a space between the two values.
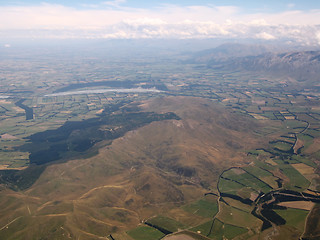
[265, 36]
[114, 3]
[291, 5]
[144, 21]
[318, 36]
[168, 21]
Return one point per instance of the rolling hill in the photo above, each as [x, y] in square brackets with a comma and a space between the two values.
[145, 172]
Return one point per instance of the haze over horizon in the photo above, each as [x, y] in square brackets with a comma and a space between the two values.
[288, 21]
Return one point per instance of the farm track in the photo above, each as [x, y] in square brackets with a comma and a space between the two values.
[7, 225]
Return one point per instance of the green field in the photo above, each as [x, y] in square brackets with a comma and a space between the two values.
[296, 179]
[282, 146]
[202, 208]
[313, 132]
[237, 217]
[256, 171]
[220, 230]
[228, 186]
[294, 217]
[203, 229]
[146, 233]
[166, 223]
[307, 141]
[250, 181]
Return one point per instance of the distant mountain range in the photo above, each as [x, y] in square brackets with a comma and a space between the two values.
[231, 51]
[303, 66]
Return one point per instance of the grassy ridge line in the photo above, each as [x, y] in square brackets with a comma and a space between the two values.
[51, 145]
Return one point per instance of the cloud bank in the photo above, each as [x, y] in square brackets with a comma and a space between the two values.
[110, 20]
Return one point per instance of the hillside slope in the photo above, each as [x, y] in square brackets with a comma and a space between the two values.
[145, 172]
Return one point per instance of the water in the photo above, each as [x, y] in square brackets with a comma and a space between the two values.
[3, 97]
[95, 91]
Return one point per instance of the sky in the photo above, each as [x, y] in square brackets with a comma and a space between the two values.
[270, 20]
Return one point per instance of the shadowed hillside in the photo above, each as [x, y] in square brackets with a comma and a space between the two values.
[145, 172]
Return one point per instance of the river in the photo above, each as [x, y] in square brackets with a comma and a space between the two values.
[28, 110]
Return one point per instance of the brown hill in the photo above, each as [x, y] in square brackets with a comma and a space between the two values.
[146, 172]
